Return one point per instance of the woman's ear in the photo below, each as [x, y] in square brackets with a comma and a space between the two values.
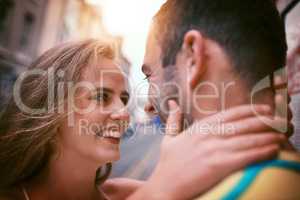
[193, 45]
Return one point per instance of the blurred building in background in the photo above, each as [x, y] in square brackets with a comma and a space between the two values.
[29, 27]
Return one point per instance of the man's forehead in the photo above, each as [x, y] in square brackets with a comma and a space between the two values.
[153, 50]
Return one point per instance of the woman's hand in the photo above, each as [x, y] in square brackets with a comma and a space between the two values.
[196, 159]
[120, 188]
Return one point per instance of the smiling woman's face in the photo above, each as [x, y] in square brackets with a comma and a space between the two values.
[95, 135]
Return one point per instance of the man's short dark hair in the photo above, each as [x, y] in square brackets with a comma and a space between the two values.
[250, 31]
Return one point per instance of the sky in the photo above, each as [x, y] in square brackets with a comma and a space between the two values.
[130, 19]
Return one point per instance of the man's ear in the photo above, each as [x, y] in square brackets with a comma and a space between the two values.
[193, 45]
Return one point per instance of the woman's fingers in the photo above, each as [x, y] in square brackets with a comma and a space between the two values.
[254, 124]
[120, 188]
[259, 124]
[174, 120]
[244, 126]
[240, 112]
[224, 123]
[243, 159]
[253, 141]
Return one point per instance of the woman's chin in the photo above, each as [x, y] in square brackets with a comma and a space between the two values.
[113, 158]
[108, 156]
[107, 149]
[116, 158]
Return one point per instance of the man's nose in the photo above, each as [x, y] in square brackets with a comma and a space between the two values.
[149, 108]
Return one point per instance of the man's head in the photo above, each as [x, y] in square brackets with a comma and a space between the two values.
[204, 47]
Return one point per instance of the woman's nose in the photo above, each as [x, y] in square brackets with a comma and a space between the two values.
[120, 112]
[121, 115]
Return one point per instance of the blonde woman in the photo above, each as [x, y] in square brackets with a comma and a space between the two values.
[63, 127]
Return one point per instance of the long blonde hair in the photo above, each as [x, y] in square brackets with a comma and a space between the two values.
[27, 140]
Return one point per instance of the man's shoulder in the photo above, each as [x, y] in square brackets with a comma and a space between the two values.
[278, 178]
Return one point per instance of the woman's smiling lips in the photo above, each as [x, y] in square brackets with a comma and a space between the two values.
[110, 134]
[112, 140]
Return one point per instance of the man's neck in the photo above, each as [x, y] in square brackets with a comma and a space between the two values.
[229, 95]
